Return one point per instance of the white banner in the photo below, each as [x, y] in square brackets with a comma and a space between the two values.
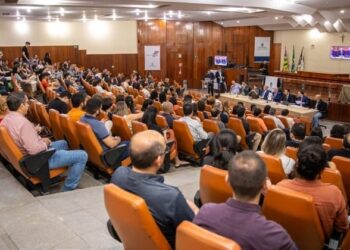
[262, 49]
[152, 57]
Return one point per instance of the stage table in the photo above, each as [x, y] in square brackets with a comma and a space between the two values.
[305, 113]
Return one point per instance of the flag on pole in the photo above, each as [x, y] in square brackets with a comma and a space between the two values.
[301, 60]
[285, 61]
[293, 68]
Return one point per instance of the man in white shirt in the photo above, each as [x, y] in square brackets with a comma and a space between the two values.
[278, 122]
[195, 126]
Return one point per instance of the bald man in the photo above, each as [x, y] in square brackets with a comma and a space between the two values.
[321, 107]
[166, 203]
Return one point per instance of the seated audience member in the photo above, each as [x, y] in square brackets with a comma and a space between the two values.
[224, 115]
[235, 88]
[154, 95]
[266, 110]
[317, 131]
[321, 107]
[93, 109]
[215, 114]
[166, 203]
[255, 92]
[239, 218]
[121, 109]
[329, 200]
[3, 107]
[174, 103]
[78, 103]
[337, 131]
[344, 152]
[44, 79]
[201, 107]
[217, 99]
[130, 103]
[287, 96]
[195, 126]
[187, 99]
[245, 90]
[277, 121]
[302, 100]
[285, 113]
[29, 142]
[97, 83]
[167, 113]
[275, 145]
[222, 147]
[257, 113]
[28, 90]
[252, 107]
[60, 103]
[162, 97]
[253, 139]
[107, 108]
[146, 103]
[298, 133]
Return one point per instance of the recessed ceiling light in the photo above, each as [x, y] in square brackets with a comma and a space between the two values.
[222, 23]
[18, 15]
[137, 12]
[61, 11]
[171, 13]
[29, 10]
[114, 15]
[84, 17]
[209, 13]
[146, 16]
[327, 23]
[179, 14]
[241, 10]
[276, 17]
[238, 21]
[342, 11]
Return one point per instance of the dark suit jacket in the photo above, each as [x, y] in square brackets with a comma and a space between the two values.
[265, 94]
[278, 96]
[218, 77]
[305, 100]
[289, 99]
[322, 107]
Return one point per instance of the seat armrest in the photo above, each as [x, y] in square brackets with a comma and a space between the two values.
[199, 148]
[32, 164]
[112, 157]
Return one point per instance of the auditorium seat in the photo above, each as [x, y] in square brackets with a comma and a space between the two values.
[56, 128]
[211, 126]
[70, 131]
[120, 128]
[326, 147]
[254, 125]
[105, 161]
[200, 115]
[297, 213]
[274, 167]
[33, 112]
[213, 186]
[334, 143]
[346, 242]
[43, 115]
[158, 106]
[284, 121]
[138, 127]
[292, 152]
[189, 236]
[343, 166]
[140, 99]
[132, 220]
[161, 121]
[269, 122]
[179, 111]
[334, 177]
[34, 168]
[236, 125]
[185, 143]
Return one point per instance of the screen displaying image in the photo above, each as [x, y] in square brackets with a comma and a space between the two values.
[220, 60]
[340, 52]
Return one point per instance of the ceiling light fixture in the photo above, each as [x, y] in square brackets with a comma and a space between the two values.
[276, 17]
[29, 10]
[238, 21]
[326, 23]
[164, 17]
[61, 11]
[146, 16]
[84, 17]
[137, 12]
[18, 15]
[222, 23]
[179, 14]
[342, 11]
[114, 16]
[171, 13]
[209, 13]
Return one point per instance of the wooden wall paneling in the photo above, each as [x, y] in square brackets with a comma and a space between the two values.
[275, 62]
[152, 33]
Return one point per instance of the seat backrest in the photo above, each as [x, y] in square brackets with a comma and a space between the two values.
[33, 111]
[200, 115]
[334, 177]
[326, 147]
[254, 125]
[120, 128]
[70, 131]
[346, 242]
[138, 127]
[140, 99]
[296, 213]
[236, 125]
[211, 126]
[274, 167]
[190, 236]
[10, 150]
[213, 186]
[284, 121]
[90, 144]
[343, 166]
[180, 111]
[292, 152]
[158, 106]
[161, 121]
[184, 138]
[335, 143]
[54, 117]
[43, 115]
[269, 122]
[132, 220]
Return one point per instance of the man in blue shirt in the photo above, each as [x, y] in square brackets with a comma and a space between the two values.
[93, 109]
[166, 203]
[265, 93]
